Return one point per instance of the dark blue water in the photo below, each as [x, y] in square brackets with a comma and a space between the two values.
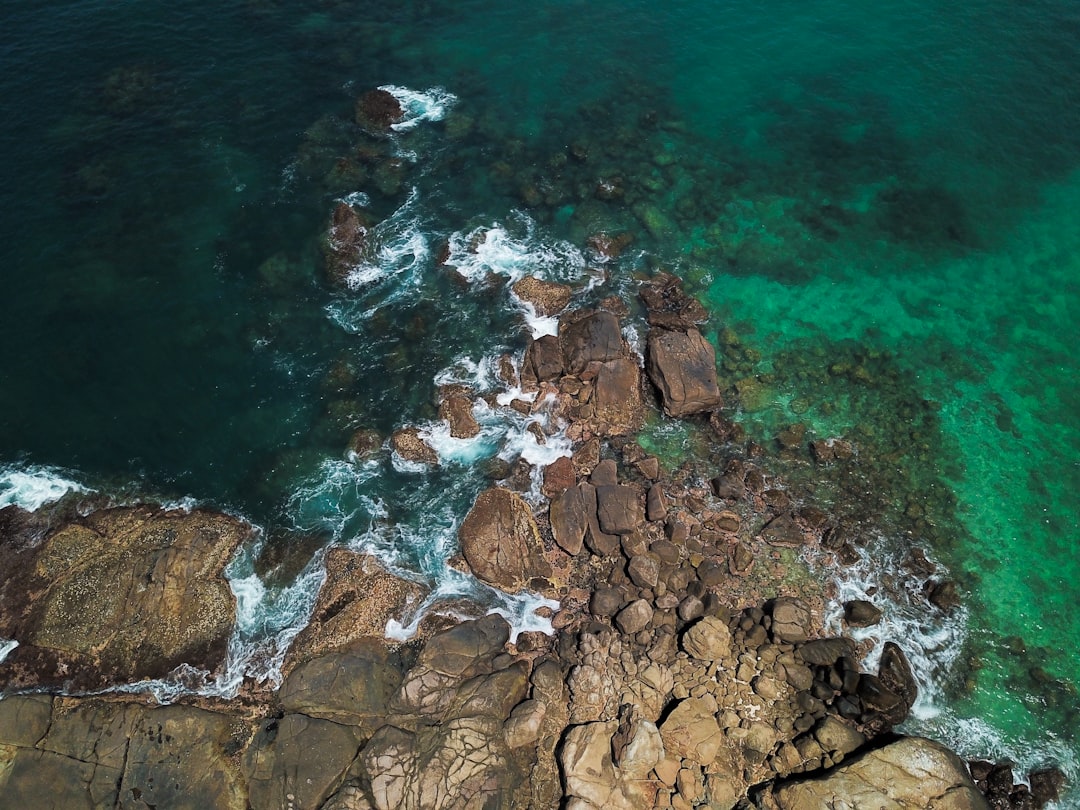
[893, 181]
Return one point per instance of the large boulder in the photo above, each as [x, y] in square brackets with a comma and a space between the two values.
[501, 541]
[617, 399]
[910, 774]
[410, 445]
[591, 777]
[119, 595]
[587, 335]
[682, 365]
[377, 111]
[457, 409]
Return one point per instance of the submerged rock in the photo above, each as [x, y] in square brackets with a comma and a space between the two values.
[377, 111]
[119, 595]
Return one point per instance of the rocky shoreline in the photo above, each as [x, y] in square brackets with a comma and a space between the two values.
[689, 667]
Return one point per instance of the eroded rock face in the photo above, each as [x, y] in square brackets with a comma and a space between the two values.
[682, 365]
[355, 602]
[120, 595]
[910, 774]
[547, 297]
[501, 542]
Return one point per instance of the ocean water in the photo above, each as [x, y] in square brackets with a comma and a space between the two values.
[877, 204]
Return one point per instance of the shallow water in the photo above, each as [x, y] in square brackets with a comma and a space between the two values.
[877, 205]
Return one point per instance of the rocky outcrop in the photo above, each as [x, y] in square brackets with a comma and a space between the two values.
[357, 600]
[456, 407]
[377, 111]
[119, 595]
[682, 366]
[501, 543]
[410, 445]
[345, 242]
[910, 774]
[547, 297]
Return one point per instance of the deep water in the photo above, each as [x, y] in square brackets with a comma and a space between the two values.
[876, 203]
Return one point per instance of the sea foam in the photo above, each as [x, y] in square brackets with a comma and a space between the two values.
[420, 105]
[33, 487]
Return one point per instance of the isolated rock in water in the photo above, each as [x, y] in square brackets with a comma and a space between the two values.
[377, 111]
[457, 410]
[547, 297]
[345, 242]
[408, 444]
[120, 595]
[910, 774]
[501, 542]
[682, 365]
[861, 613]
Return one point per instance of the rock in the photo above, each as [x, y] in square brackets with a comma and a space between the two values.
[605, 602]
[896, 675]
[617, 401]
[791, 619]
[119, 595]
[691, 608]
[634, 617]
[656, 508]
[910, 774]
[824, 652]
[546, 297]
[1046, 785]
[668, 306]
[355, 602]
[408, 444]
[377, 111]
[298, 761]
[644, 570]
[619, 509]
[364, 443]
[558, 476]
[708, 640]
[353, 686]
[345, 244]
[834, 735]
[942, 595]
[861, 613]
[636, 746]
[501, 542]
[784, 532]
[601, 543]
[605, 473]
[524, 726]
[586, 336]
[457, 409]
[691, 731]
[590, 774]
[570, 516]
[683, 368]
[543, 360]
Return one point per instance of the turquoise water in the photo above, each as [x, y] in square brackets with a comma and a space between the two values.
[877, 204]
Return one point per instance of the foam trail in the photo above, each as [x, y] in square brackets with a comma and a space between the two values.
[479, 375]
[6, 646]
[498, 251]
[420, 105]
[33, 487]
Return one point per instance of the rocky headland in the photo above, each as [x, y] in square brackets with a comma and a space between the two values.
[689, 665]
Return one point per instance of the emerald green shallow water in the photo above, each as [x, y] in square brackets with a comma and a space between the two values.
[876, 203]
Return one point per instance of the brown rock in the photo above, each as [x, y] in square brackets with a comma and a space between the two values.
[691, 731]
[634, 617]
[408, 444]
[501, 542]
[668, 306]
[586, 336]
[791, 619]
[605, 474]
[570, 518]
[683, 368]
[355, 602]
[599, 542]
[644, 570]
[119, 595]
[708, 640]
[377, 111]
[457, 409]
[617, 399]
[345, 243]
[543, 360]
[784, 532]
[620, 508]
[558, 476]
[861, 613]
[547, 297]
[656, 507]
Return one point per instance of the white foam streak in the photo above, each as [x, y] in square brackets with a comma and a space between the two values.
[33, 487]
[420, 105]
[497, 251]
[400, 247]
[479, 375]
[6, 646]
